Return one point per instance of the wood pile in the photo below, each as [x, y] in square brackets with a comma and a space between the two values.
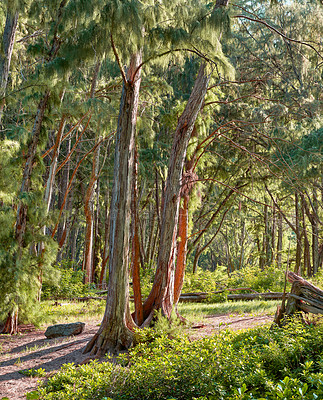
[303, 297]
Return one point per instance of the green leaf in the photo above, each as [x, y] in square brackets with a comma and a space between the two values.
[34, 395]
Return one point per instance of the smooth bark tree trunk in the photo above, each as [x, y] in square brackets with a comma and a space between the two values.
[181, 249]
[115, 332]
[105, 254]
[6, 49]
[53, 164]
[135, 257]
[298, 261]
[307, 254]
[89, 217]
[315, 235]
[88, 256]
[162, 293]
[279, 240]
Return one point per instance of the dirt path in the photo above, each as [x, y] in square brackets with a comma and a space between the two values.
[32, 350]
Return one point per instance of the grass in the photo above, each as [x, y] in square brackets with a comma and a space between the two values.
[93, 310]
[67, 312]
[193, 311]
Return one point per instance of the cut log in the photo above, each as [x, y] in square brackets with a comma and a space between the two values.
[304, 296]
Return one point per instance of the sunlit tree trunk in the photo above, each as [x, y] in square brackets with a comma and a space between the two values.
[162, 293]
[181, 248]
[115, 331]
[6, 49]
[279, 240]
[298, 232]
[105, 254]
[135, 258]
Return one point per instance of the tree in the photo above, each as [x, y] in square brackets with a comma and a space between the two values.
[6, 49]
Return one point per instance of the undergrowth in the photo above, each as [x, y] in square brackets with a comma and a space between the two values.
[255, 364]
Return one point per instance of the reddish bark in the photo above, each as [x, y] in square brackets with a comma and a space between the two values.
[181, 249]
[162, 293]
[11, 324]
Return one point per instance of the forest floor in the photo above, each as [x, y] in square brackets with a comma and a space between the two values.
[31, 349]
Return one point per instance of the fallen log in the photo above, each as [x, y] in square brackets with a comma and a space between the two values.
[253, 296]
[304, 296]
[198, 297]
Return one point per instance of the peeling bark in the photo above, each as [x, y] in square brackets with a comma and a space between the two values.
[162, 293]
[115, 332]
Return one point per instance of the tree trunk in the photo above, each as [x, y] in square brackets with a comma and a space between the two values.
[114, 333]
[279, 240]
[181, 249]
[162, 293]
[88, 255]
[307, 254]
[6, 50]
[105, 255]
[11, 324]
[21, 220]
[135, 258]
[298, 238]
[89, 216]
[53, 164]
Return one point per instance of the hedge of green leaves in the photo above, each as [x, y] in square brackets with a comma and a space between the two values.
[255, 364]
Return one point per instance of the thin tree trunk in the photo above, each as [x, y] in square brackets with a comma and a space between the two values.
[114, 333]
[6, 49]
[181, 249]
[97, 236]
[135, 259]
[307, 255]
[298, 238]
[279, 240]
[315, 235]
[21, 220]
[162, 293]
[88, 255]
[89, 216]
[273, 235]
[196, 258]
[105, 255]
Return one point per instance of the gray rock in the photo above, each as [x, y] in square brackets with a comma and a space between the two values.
[64, 330]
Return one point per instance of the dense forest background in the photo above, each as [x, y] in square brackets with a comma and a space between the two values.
[252, 182]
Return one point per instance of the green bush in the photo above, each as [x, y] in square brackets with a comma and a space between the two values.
[269, 279]
[68, 285]
[255, 364]
[205, 281]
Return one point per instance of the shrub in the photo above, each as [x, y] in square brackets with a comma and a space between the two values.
[268, 279]
[68, 285]
[254, 364]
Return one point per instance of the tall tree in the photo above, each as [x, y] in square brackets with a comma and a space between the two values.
[6, 49]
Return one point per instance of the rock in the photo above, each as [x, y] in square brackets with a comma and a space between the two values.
[64, 330]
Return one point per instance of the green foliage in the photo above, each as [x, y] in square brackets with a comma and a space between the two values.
[65, 283]
[258, 364]
[33, 372]
[204, 281]
[269, 279]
